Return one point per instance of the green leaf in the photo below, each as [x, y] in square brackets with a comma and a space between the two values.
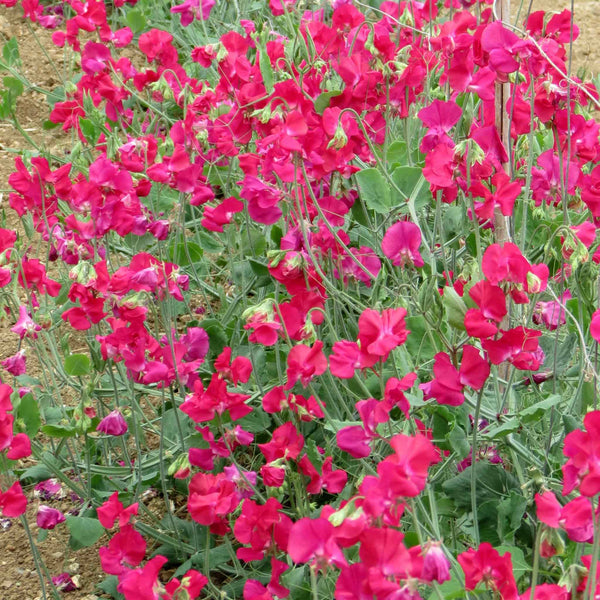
[374, 190]
[258, 268]
[216, 334]
[29, 413]
[77, 365]
[209, 242]
[453, 589]
[136, 20]
[510, 514]
[10, 53]
[185, 253]
[14, 85]
[58, 431]
[89, 130]
[571, 423]
[397, 154]
[452, 222]
[109, 586]
[334, 425]
[459, 442]
[588, 396]
[36, 473]
[266, 70]
[413, 185]
[537, 410]
[493, 483]
[54, 96]
[322, 101]
[520, 565]
[84, 531]
[255, 422]
[455, 308]
[503, 429]
[419, 342]
[359, 212]
[277, 234]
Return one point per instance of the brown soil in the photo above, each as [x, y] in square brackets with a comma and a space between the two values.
[585, 57]
[19, 580]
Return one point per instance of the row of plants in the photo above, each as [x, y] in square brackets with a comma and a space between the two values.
[322, 280]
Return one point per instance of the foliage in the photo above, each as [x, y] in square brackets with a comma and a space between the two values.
[323, 282]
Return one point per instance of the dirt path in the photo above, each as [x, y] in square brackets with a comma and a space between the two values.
[19, 580]
[586, 54]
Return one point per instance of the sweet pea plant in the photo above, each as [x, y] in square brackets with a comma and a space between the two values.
[321, 280]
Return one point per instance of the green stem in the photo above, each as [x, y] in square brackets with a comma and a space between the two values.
[473, 470]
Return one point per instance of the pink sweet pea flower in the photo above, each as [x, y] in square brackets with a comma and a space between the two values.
[305, 363]
[13, 502]
[582, 470]
[486, 565]
[503, 47]
[64, 583]
[113, 510]
[48, 517]
[519, 346]
[380, 333]
[439, 117]
[25, 326]
[577, 519]
[546, 591]
[401, 244]
[436, 566]
[20, 447]
[449, 382]
[194, 9]
[15, 364]
[312, 540]
[142, 583]
[552, 313]
[548, 509]
[595, 326]
[126, 548]
[113, 424]
[190, 586]
[405, 472]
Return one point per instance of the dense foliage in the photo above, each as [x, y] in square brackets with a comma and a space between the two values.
[321, 279]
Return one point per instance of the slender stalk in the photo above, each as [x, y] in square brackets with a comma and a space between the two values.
[473, 465]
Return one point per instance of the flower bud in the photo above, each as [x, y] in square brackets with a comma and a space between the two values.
[113, 424]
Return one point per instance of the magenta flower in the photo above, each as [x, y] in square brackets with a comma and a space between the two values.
[401, 244]
[15, 364]
[436, 566]
[595, 325]
[48, 517]
[64, 583]
[50, 488]
[25, 326]
[113, 424]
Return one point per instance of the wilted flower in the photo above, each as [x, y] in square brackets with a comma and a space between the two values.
[15, 364]
[50, 488]
[113, 424]
[436, 566]
[64, 583]
[48, 517]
